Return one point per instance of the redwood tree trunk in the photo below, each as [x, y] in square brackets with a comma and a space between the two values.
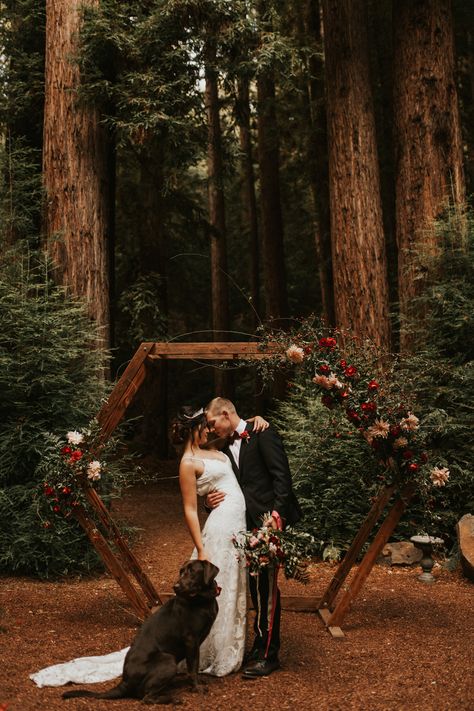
[272, 221]
[249, 199]
[428, 148]
[358, 247]
[317, 157]
[220, 291]
[75, 170]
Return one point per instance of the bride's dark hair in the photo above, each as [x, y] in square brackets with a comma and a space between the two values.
[186, 421]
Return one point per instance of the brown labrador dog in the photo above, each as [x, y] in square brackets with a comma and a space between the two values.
[173, 633]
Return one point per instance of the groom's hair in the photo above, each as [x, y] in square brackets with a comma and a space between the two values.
[218, 404]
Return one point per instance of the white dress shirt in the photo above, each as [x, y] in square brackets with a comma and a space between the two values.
[237, 443]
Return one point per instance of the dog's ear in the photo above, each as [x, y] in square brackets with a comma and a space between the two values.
[209, 571]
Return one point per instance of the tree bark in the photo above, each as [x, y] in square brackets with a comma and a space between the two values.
[249, 198]
[317, 157]
[217, 222]
[428, 147]
[358, 246]
[75, 170]
[271, 216]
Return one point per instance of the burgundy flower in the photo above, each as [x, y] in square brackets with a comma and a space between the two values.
[407, 454]
[66, 450]
[373, 385]
[324, 369]
[352, 416]
[75, 456]
[343, 363]
[308, 349]
[350, 371]
[327, 401]
[395, 430]
[369, 406]
[413, 467]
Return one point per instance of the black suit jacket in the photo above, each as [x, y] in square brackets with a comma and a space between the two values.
[264, 477]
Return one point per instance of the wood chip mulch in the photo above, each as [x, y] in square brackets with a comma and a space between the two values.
[408, 646]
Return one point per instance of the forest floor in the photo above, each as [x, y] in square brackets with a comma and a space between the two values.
[408, 645]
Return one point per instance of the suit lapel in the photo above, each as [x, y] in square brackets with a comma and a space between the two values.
[243, 449]
[233, 462]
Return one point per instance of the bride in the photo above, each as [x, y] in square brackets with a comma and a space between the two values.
[203, 468]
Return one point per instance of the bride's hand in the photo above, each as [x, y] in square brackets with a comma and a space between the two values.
[202, 555]
[259, 423]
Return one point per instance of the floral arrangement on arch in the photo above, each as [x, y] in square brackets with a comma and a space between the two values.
[69, 463]
[266, 547]
[383, 416]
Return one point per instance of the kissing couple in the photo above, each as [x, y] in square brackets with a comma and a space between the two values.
[243, 481]
[243, 472]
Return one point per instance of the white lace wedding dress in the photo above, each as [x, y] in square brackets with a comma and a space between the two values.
[222, 651]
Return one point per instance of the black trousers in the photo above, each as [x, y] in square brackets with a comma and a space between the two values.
[260, 593]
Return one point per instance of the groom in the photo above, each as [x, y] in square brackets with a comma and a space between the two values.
[261, 467]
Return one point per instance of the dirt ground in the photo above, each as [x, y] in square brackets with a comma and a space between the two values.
[408, 646]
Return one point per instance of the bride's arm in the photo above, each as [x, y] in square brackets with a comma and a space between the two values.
[259, 423]
[187, 483]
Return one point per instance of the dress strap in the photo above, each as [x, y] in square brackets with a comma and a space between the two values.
[199, 459]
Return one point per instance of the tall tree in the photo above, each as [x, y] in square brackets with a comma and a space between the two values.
[273, 259]
[317, 151]
[428, 147]
[249, 197]
[217, 222]
[358, 247]
[75, 169]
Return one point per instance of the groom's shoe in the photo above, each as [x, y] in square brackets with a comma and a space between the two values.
[261, 667]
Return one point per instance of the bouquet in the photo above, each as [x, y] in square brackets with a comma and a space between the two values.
[266, 547]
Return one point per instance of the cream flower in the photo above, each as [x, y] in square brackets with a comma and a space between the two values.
[74, 437]
[93, 470]
[439, 476]
[380, 428]
[322, 381]
[400, 442]
[334, 382]
[410, 423]
[295, 354]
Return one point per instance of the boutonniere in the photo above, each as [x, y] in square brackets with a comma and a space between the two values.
[245, 436]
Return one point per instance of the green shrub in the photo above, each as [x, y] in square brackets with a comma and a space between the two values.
[51, 381]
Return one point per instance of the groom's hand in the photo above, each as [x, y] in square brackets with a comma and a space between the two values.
[214, 498]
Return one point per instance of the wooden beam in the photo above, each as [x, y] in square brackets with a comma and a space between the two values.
[242, 350]
[384, 496]
[124, 391]
[112, 564]
[383, 534]
[126, 554]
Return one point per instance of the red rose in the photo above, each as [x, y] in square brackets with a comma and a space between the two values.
[75, 456]
[308, 349]
[56, 509]
[343, 394]
[48, 490]
[66, 450]
[327, 342]
[413, 467]
[350, 371]
[343, 363]
[66, 490]
[407, 454]
[369, 406]
[324, 369]
[373, 385]
[395, 430]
